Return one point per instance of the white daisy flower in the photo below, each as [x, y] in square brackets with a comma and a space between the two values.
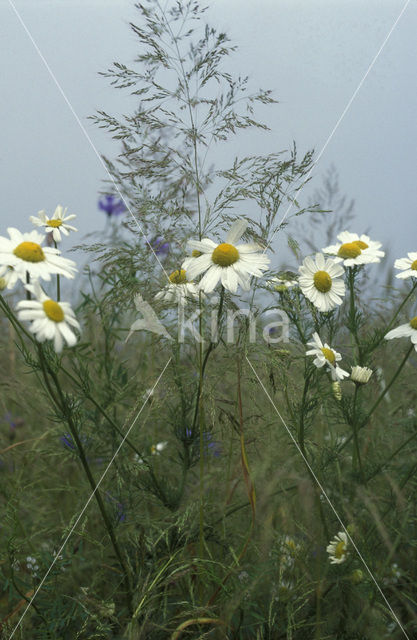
[49, 319]
[354, 249]
[320, 282]
[361, 375]
[56, 224]
[157, 448]
[280, 283]
[24, 254]
[338, 548]
[230, 263]
[191, 258]
[408, 266]
[408, 330]
[179, 288]
[325, 355]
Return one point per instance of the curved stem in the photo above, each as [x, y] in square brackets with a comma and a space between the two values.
[375, 405]
[355, 435]
[388, 460]
[60, 402]
[209, 349]
[389, 385]
[304, 452]
[352, 315]
[395, 316]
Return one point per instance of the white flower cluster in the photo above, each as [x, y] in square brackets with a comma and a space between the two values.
[32, 566]
[23, 258]
[230, 263]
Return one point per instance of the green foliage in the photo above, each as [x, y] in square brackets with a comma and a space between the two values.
[158, 489]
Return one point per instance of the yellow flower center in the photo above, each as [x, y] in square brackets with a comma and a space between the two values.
[413, 322]
[349, 250]
[54, 223]
[178, 277]
[414, 265]
[361, 244]
[225, 255]
[153, 449]
[30, 252]
[196, 254]
[329, 355]
[322, 281]
[2, 284]
[340, 549]
[53, 310]
[291, 544]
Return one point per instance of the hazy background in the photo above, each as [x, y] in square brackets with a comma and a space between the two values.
[311, 53]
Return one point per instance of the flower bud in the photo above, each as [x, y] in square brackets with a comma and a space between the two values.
[360, 375]
[337, 390]
[356, 576]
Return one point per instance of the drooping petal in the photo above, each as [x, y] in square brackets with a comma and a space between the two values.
[236, 231]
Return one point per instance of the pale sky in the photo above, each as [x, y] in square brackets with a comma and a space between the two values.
[312, 53]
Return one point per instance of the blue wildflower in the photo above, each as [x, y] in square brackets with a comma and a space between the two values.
[13, 422]
[119, 509]
[111, 205]
[211, 446]
[159, 246]
[68, 442]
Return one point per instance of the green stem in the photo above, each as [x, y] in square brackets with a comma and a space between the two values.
[304, 452]
[389, 385]
[355, 435]
[364, 422]
[388, 460]
[352, 315]
[209, 349]
[393, 319]
[159, 492]
[199, 410]
[58, 284]
[294, 320]
[28, 294]
[61, 404]
[18, 327]
[400, 308]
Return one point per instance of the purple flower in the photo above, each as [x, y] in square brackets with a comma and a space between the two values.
[159, 246]
[111, 205]
[68, 442]
[13, 422]
[118, 507]
[211, 446]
